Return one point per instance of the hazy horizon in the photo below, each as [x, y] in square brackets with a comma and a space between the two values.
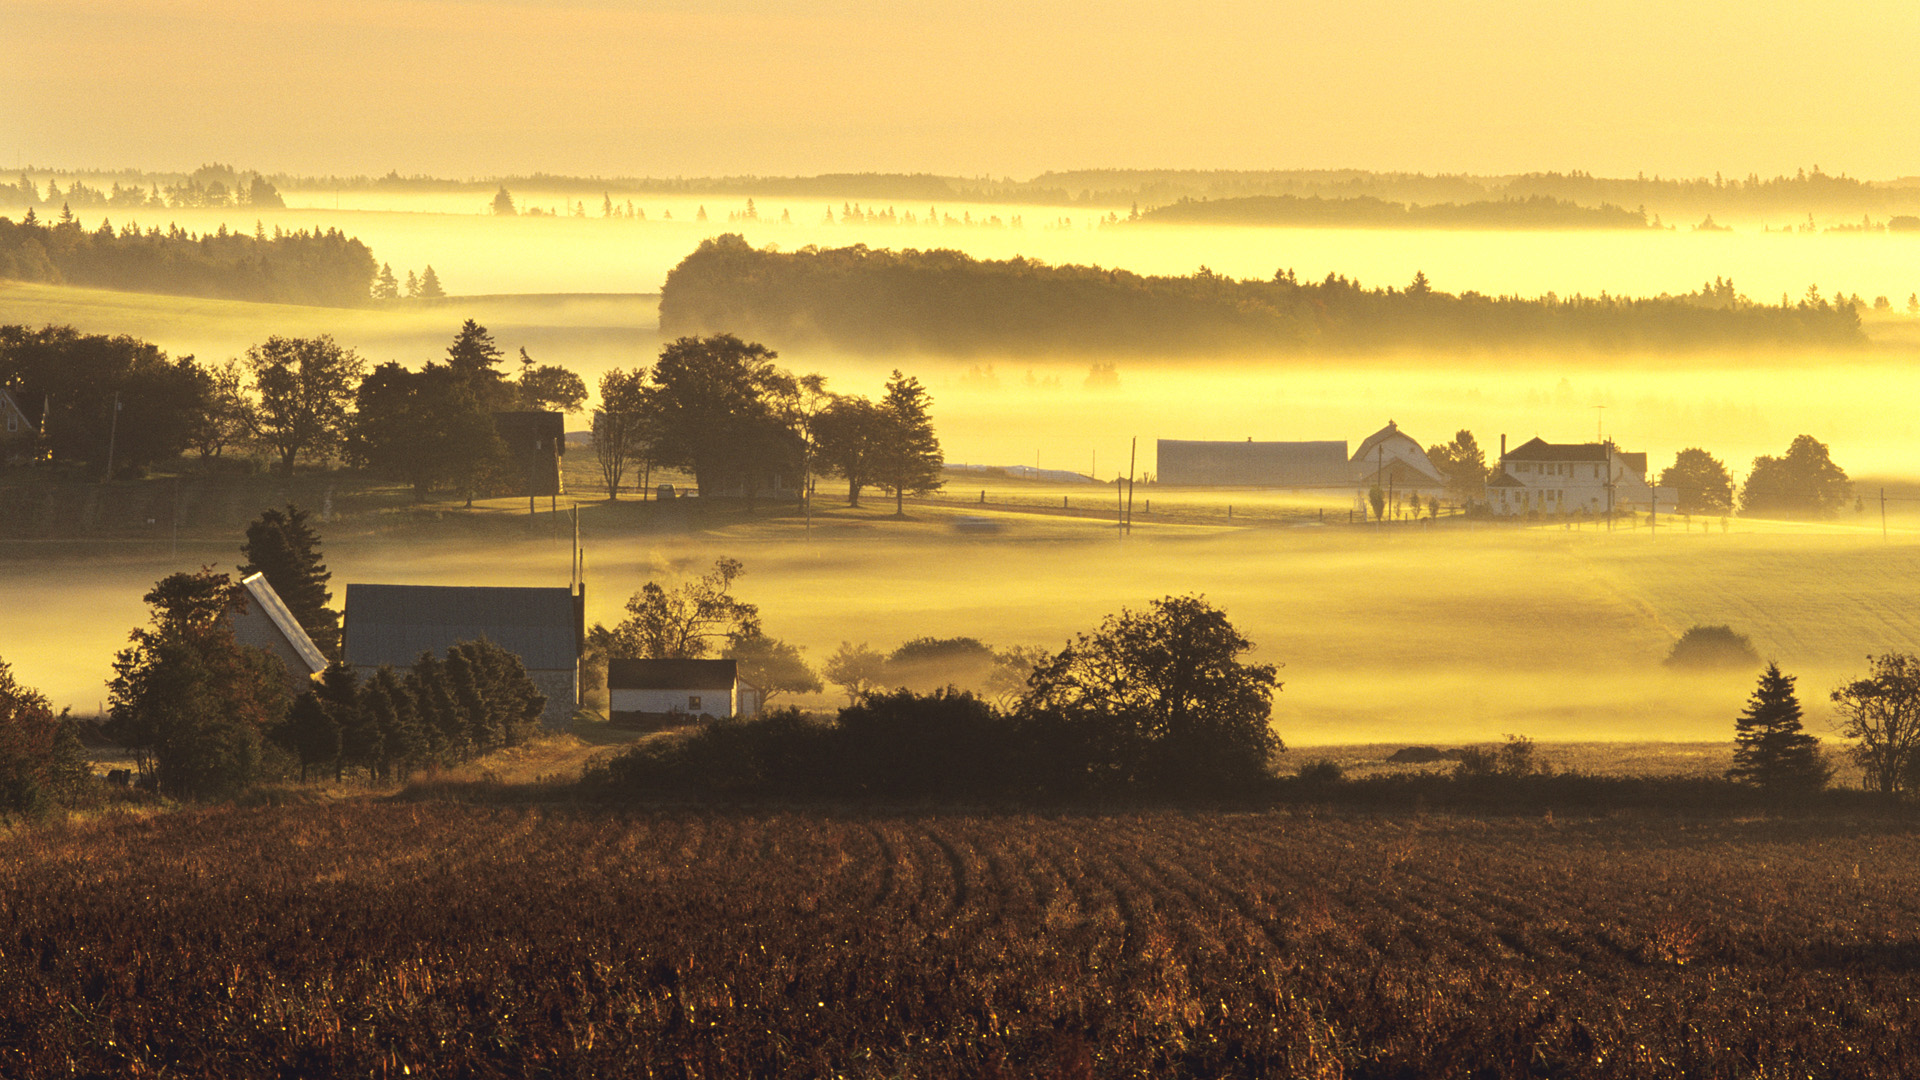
[485, 87]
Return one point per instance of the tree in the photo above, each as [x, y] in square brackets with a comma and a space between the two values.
[1701, 481]
[1464, 465]
[428, 428]
[105, 395]
[413, 286]
[1712, 647]
[386, 286]
[304, 386]
[190, 701]
[619, 425]
[1377, 498]
[1882, 712]
[503, 203]
[474, 357]
[856, 669]
[284, 547]
[1805, 481]
[908, 458]
[772, 665]
[548, 387]
[1161, 697]
[430, 285]
[683, 623]
[715, 408]
[1770, 750]
[41, 759]
[227, 417]
[849, 435]
[317, 725]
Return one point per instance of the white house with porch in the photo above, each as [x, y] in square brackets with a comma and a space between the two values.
[1595, 478]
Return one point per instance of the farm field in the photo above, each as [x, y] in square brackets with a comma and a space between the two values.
[381, 937]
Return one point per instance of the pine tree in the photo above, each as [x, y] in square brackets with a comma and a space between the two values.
[287, 550]
[413, 286]
[1770, 751]
[430, 285]
[909, 458]
[386, 286]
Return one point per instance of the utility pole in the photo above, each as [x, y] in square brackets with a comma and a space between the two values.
[1883, 513]
[1133, 458]
[113, 433]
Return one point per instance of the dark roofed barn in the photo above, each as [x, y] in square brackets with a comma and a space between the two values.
[1198, 463]
[394, 624]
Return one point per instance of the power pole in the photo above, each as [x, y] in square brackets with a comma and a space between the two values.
[1133, 458]
[113, 433]
[1883, 513]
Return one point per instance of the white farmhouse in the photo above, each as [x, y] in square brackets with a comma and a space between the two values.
[1571, 478]
[654, 690]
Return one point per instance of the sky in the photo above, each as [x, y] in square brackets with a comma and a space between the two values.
[981, 87]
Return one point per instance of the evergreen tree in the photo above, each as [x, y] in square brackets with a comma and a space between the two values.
[386, 286]
[413, 286]
[909, 458]
[287, 550]
[503, 203]
[1771, 752]
[430, 285]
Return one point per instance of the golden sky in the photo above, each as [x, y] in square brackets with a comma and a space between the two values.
[1001, 87]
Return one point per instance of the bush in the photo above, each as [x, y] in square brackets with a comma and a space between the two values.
[1708, 647]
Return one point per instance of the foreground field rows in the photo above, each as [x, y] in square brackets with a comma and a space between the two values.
[365, 936]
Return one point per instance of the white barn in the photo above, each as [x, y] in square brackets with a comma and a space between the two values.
[1392, 459]
[665, 689]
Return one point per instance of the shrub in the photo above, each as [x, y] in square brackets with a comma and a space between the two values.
[1707, 647]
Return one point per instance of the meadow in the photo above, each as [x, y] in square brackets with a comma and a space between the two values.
[407, 937]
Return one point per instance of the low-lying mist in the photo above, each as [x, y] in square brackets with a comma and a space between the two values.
[1417, 635]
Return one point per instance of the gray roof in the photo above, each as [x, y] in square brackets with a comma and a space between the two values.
[671, 674]
[1254, 464]
[394, 624]
[276, 609]
[1538, 449]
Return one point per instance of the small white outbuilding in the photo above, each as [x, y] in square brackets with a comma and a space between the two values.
[693, 689]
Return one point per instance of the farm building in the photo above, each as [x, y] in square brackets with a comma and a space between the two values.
[1571, 478]
[1196, 463]
[17, 432]
[1392, 460]
[394, 624]
[266, 623]
[652, 690]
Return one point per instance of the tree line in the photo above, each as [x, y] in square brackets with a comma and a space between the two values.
[1365, 211]
[949, 302]
[302, 267]
[116, 401]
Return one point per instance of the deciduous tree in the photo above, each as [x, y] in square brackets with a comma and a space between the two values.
[1882, 712]
[774, 666]
[41, 759]
[619, 425]
[714, 408]
[304, 387]
[1804, 482]
[684, 622]
[1700, 481]
[1162, 697]
[849, 435]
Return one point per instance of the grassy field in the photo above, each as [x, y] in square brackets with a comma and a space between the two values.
[369, 937]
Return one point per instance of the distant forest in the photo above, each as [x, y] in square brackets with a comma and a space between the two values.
[1365, 211]
[948, 302]
[1677, 200]
[325, 268]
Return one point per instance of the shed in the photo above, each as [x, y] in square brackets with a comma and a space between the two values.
[545, 628]
[659, 689]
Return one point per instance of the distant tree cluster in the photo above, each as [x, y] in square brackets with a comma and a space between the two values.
[302, 400]
[950, 302]
[1155, 702]
[208, 186]
[1365, 211]
[720, 408]
[304, 267]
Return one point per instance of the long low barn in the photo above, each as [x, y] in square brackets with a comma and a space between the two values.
[659, 689]
[1206, 463]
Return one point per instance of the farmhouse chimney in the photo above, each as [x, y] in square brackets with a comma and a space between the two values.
[1503, 446]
